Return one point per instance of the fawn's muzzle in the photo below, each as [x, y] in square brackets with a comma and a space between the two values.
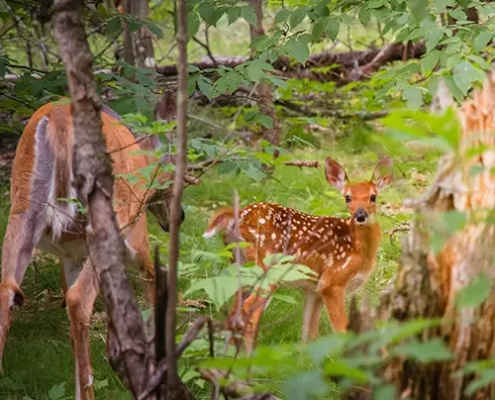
[361, 216]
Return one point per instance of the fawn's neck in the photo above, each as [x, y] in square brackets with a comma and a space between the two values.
[366, 238]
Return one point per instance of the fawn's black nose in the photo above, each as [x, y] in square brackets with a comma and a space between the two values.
[361, 216]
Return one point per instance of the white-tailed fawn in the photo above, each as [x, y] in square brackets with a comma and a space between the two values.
[340, 251]
[41, 217]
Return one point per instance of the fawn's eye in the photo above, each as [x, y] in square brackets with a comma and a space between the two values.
[373, 198]
[347, 199]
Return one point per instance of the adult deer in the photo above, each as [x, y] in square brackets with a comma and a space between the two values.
[340, 251]
[41, 217]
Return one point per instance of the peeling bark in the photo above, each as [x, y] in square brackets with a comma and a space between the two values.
[427, 283]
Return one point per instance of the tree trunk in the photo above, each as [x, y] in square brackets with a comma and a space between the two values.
[427, 282]
[138, 45]
[128, 46]
[265, 93]
[94, 179]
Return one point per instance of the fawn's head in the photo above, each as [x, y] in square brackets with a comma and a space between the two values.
[360, 197]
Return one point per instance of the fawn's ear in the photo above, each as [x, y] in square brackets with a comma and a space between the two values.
[335, 174]
[442, 99]
[382, 174]
[166, 108]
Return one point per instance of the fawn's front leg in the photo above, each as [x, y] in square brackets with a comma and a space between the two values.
[332, 286]
[334, 297]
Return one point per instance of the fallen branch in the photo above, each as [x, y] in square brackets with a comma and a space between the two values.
[210, 163]
[343, 64]
[315, 112]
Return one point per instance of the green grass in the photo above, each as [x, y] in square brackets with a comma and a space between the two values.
[38, 354]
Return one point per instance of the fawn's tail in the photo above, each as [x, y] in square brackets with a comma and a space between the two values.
[223, 219]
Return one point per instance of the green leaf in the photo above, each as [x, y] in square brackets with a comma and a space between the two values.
[249, 15]
[305, 385]
[479, 60]
[464, 74]
[265, 120]
[429, 61]
[318, 28]
[425, 352]
[413, 97]
[206, 88]
[57, 392]
[233, 14]
[376, 3]
[299, 50]
[325, 347]
[333, 27]
[281, 16]
[285, 298]
[321, 9]
[442, 4]
[227, 167]
[192, 24]
[474, 294]
[101, 384]
[432, 38]
[113, 26]
[364, 16]
[458, 14]
[386, 392]
[297, 17]
[155, 29]
[486, 377]
[251, 171]
[207, 11]
[218, 288]
[481, 40]
[255, 69]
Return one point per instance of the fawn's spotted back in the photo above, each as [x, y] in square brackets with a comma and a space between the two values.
[318, 241]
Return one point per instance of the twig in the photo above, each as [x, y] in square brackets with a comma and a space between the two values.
[207, 48]
[174, 384]
[392, 232]
[237, 256]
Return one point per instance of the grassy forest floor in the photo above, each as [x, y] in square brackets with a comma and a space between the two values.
[38, 362]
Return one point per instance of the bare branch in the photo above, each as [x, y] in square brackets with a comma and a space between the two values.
[175, 387]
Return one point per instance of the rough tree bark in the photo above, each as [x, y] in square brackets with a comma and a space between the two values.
[93, 175]
[427, 283]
